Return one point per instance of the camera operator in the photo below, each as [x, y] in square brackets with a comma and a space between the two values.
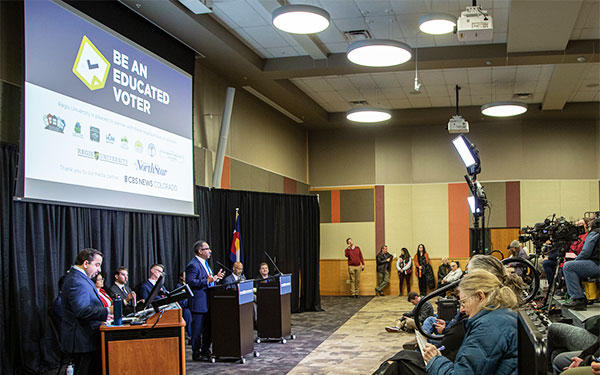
[587, 264]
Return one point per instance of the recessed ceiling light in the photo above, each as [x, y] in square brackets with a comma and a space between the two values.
[368, 115]
[437, 23]
[378, 52]
[503, 109]
[300, 19]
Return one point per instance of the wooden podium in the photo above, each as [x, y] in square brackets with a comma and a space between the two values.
[231, 314]
[273, 304]
[146, 348]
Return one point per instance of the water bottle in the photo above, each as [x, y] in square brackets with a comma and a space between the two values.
[70, 370]
[118, 311]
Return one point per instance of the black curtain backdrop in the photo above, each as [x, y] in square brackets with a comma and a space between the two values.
[40, 241]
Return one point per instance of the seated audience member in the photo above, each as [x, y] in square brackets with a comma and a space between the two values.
[565, 342]
[490, 342]
[443, 270]
[56, 312]
[516, 251]
[453, 275]
[155, 271]
[99, 283]
[585, 361]
[237, 275]
[121, 289]
[587, 264]
[407, 321]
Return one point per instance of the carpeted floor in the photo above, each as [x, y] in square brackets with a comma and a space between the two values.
[310, 328]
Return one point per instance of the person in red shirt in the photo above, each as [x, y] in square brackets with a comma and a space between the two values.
[356, 264]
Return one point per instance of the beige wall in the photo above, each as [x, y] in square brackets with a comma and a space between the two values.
[333, 239]
[417, 214]
[509, 150]
[568, 198]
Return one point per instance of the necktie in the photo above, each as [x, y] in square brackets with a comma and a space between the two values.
[209, 272]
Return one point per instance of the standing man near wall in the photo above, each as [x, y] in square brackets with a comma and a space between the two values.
[384, 262]
[356, 264]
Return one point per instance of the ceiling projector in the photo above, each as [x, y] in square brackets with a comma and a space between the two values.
[474, 24]
[458, 124]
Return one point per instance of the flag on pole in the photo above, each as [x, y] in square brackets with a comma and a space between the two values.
[236, 246]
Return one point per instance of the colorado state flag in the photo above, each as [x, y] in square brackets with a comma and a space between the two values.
[236, 247]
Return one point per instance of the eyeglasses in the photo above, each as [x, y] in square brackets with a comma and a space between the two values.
[462, 301]
[205, 248]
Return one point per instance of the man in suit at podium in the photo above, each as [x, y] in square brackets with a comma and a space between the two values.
[121, 289]
[83, 313]
[237, 275]
[199, 277]
[155, 271]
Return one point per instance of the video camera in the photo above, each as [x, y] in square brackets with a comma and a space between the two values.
[560, 232]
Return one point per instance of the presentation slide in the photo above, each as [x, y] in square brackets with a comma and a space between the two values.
[107, 123]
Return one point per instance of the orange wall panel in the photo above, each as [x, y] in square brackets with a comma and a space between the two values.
[458, 220]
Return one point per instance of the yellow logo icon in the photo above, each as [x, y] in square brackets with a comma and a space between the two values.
[90, 66]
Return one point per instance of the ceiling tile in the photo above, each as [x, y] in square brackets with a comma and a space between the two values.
[406, 79]
[584, 96]
[362, 81]
[340, 83]
[432, 77]
[347, 24]
[525, 86]
[331, 35]
[417, 102]
[331, 96]
[436, 90]
[590, 33]
[480, 75]
[480, 99]
[340, 9]
[351, 95]
[284, 52]
[336, 47]
[445, 40]
[503, 88]
[504, 73]
[528, 73]
[424, 40]
[501, 4]
[546, 72]
[241, 12]
[500, 38]
[317, 84]
[265, 36]
[464, 90]
[400, 103]
[593, 20]
[393, 93]
[480, 88]
[409, 7]
[500, 20]
[385, 80]
[370, 7]
[593, 72]
[261, 11]
[456, 76]
[340, 106]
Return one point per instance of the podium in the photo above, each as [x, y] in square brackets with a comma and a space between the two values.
[231, 316]
[273, 305]
[156, 347]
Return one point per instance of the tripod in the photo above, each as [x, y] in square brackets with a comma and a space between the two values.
[555, 281]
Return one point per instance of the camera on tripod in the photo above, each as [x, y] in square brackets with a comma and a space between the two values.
[560, 232]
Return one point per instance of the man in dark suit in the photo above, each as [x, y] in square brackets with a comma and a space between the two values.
[83, 313]
[121, 289]
[237, 275]
[155, 271]
[199, 277]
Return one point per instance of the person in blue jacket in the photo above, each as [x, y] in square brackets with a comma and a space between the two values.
[490, 343]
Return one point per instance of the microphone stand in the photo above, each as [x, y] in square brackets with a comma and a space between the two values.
[273, 262]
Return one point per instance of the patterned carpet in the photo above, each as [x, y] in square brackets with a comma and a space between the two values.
[348, 337]
[310, 328]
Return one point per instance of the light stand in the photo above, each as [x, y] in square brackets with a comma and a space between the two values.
[478, 201]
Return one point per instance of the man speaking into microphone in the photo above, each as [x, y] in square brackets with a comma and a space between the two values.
[199, 277]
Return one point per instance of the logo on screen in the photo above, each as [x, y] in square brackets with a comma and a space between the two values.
[110, 139]
[139, 147]
[94, 134]
[151, 149]
[152, 168]
[97, 155]
[124, 143]
[90, 66]
[77, 130]
[54, 123]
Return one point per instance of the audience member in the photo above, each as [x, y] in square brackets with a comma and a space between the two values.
[384, 264]
[121, 289]
[565, 342]
[404, 267]
[488, 305]
[99, 283]
[453, 275]
[584, 361]
[423, 270]
[516, 251]
[406, 323]
[199, 277]
[356, 264]
[83, 313]
[443, 270]
[587, 264]
[155, 271]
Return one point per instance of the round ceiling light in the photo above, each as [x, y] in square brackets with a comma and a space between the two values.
[437, 23]
[378, 52]
[300, 19]
[368, 115]
[503, 109]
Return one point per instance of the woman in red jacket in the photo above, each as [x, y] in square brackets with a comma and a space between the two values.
[99, 282]
[421, 259]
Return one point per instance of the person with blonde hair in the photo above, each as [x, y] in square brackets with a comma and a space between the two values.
[489, 306]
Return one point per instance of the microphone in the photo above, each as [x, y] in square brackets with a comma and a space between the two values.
[273, 262]
[224, 266]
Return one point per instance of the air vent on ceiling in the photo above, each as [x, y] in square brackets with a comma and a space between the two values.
[359, 102]
[354, 35]
[522, 95]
